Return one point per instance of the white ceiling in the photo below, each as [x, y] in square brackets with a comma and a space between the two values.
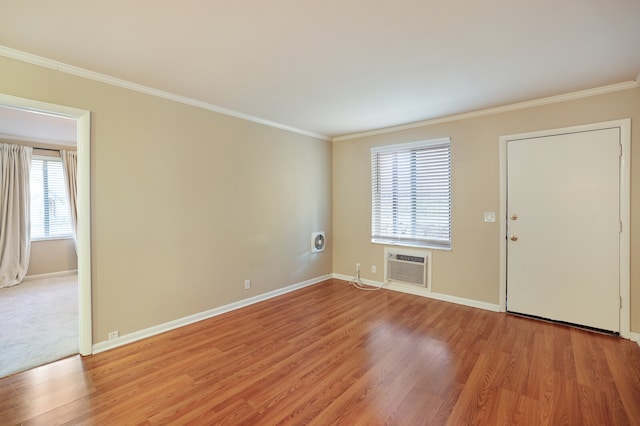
[337, 67]
[17, 124]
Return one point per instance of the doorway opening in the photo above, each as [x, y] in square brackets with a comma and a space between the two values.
[82, 125]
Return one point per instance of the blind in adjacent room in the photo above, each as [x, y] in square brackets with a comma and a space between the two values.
[411, 194]
[49, 204]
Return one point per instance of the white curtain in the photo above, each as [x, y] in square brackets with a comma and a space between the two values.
[70, 168]
[15, 213]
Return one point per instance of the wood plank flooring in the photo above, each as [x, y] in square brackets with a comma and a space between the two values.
[332, 354]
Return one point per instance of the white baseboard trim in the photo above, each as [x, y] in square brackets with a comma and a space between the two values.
[409, 289]
[50, 275]
[418, 291]
[181, 322]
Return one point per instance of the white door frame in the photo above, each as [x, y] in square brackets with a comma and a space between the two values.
[83, 127]
[625, 210]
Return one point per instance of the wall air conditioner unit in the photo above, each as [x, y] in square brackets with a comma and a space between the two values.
[408, 266]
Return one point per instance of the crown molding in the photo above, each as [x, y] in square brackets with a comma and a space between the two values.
[103, 78]
[501, 109]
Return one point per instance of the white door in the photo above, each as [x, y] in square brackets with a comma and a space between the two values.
[563, 227]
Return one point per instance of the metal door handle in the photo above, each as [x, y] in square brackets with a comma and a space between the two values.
[513, 238]
[514, 216]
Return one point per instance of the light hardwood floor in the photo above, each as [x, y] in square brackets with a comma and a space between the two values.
[332, 354]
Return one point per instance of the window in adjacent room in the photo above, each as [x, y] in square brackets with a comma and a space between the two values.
[411, 194]
[49, 204]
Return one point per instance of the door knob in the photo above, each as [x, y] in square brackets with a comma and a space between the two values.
[514, 216]
[513, 238]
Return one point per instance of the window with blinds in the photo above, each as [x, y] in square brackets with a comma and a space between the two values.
[49, 205]
[411, 194]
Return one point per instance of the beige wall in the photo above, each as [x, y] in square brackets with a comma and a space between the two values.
[471, 270]
[187, 203]
[48, 256]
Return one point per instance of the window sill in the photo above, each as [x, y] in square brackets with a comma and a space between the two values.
[61, 237]
[410, 244]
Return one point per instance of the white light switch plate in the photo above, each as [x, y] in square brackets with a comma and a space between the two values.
[489, 216]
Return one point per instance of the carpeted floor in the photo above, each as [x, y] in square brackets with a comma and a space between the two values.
[38, 323]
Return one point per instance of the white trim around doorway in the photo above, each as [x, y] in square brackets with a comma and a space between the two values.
[83, 127]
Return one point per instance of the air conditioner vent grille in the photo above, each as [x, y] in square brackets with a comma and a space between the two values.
[408, 258]
[412, 273]
[410, 267]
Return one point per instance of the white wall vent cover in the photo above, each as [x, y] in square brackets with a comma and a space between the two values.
[408, 266]
[318, 242]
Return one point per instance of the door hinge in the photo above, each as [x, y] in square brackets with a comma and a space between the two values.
[620, 298]
[620, 225]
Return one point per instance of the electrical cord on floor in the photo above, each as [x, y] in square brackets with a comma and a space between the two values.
[357, 283]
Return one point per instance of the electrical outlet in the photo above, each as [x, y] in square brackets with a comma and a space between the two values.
[114, 335]
[373, 269]
[247, 284]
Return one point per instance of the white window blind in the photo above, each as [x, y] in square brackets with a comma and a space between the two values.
[411, 194]
[49, 204]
